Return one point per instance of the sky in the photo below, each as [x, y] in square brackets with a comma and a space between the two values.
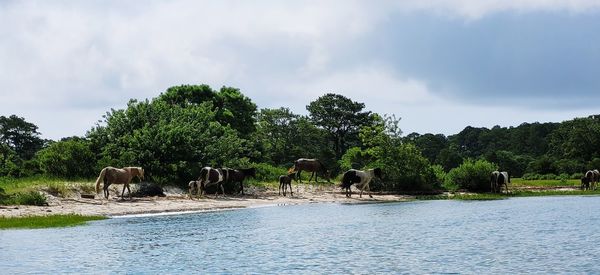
[438, 65]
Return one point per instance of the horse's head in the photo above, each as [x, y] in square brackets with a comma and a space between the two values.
[378, 173]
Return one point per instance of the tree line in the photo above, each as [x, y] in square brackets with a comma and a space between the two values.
[187, 127]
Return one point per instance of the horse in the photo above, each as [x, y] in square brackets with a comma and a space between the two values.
[285, 180]
[208, 176]
[238, 175]
[497, 179]
[360, 178]
[591, 177]
[110, 175]
[585, 183]
[311, 165]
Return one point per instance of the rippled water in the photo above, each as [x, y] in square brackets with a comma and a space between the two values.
[523, 235]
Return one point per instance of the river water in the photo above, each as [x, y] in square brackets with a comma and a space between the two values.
[518, 235]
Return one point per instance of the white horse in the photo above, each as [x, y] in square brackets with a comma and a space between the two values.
[360, 179]
[497, 179]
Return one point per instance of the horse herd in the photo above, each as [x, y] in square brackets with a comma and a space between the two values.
[218, 176]
[210, 176]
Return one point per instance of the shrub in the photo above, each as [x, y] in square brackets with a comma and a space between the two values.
[267, 172]
[471, 175]
[29, 198]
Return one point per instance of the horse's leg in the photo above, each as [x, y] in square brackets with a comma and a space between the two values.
[299, 176]
[105, 189]
[242, 185]
[129, 191]
[369, 188]
[279, 189]
[291, 190]
[123, 193]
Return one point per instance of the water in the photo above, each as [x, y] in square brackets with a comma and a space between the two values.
[522, 235]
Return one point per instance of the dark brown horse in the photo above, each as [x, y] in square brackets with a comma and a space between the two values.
[238, 175]
[285, 180]
[110, 175]
[311, 165]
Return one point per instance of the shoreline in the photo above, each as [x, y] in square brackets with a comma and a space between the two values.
[179, 203]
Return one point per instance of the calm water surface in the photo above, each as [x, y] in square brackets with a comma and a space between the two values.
[521, 235]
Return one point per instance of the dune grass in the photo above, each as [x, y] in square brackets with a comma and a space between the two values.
[46, 221]
[17, 185]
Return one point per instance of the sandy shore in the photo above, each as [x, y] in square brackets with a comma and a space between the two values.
[180, 202]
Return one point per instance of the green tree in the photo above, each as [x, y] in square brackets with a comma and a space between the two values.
[68, 158]
[230, 105]
[403, 166]
[171, 141]
[430, 145]
[10, 163]
[577, 139]
[21, 136]
[342, 118]
[285, 137]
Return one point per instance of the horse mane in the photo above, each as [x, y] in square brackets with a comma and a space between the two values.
[292, 169]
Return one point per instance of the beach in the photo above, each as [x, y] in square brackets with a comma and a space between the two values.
[178, 201]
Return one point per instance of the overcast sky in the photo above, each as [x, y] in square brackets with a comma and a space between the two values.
[439, 65]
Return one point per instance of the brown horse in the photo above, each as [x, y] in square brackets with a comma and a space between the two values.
[110, 175]
[238, 175]
[285, 180]
[311, 165]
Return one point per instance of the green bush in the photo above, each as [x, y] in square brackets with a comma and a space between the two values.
[267, 172]
[71, 158]
[28, 198]
[471, 175]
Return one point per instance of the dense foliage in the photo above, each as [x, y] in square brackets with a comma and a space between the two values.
[187, 127]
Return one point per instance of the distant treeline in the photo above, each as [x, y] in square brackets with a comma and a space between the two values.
[187, 127]
[570, 147]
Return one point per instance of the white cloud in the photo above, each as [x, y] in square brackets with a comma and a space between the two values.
[64, 63]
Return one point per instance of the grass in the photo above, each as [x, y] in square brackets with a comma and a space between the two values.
[519, 182]
[46, 221]
[54, 186]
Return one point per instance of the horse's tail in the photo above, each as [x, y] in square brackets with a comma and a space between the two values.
[100, 178]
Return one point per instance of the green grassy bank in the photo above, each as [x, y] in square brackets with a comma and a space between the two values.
[46, 221]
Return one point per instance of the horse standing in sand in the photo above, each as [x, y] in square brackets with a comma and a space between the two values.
[238, 175]
[590, 179]
[285, 180]
[360, 179]
[497, 179]
[208, 176]
[311, 165]
[110, 175]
